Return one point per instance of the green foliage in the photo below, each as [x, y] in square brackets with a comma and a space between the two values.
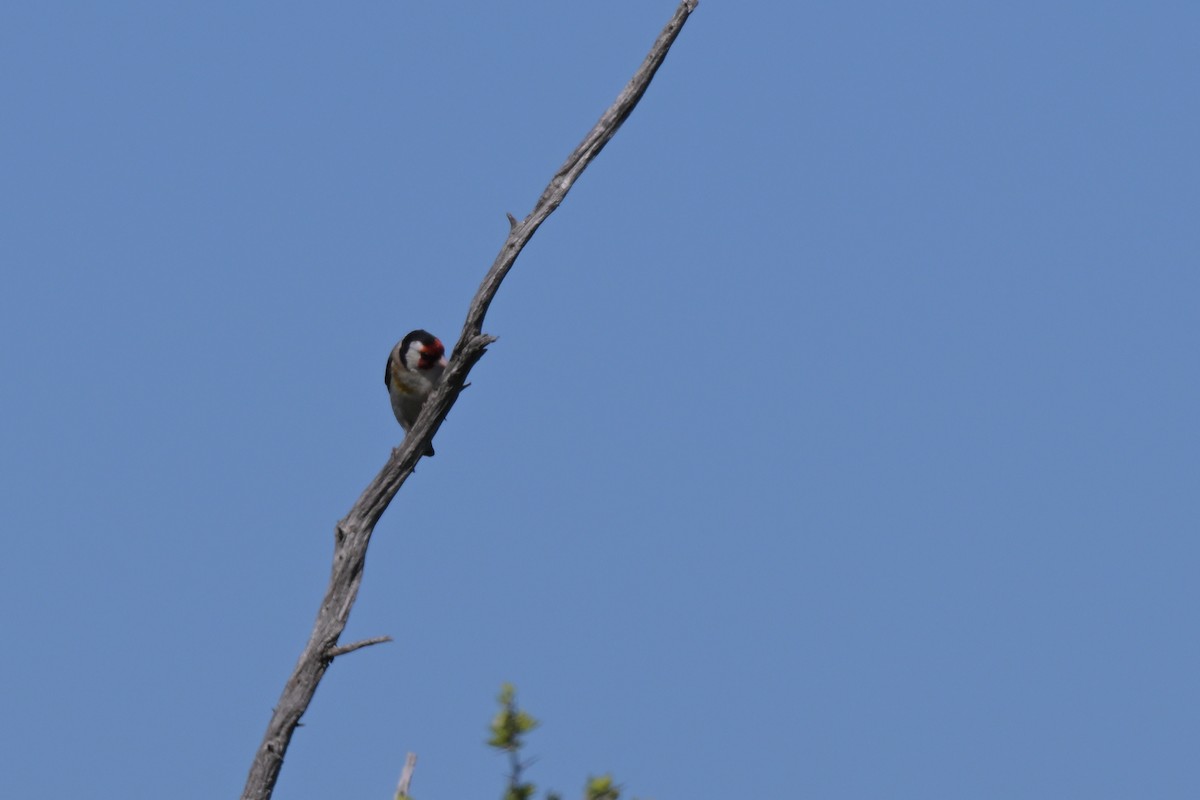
[508, 728]
[510, 722]
[507, 731]
[519, 791]
[602, 788]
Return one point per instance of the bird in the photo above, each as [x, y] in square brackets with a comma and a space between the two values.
[414, 369]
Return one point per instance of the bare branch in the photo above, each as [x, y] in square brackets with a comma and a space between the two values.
[353, 533]
[410, 764]
[341, 650]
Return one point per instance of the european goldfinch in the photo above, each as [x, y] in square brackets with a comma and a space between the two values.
[414, 369]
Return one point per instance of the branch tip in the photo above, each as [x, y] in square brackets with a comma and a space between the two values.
[410, 764]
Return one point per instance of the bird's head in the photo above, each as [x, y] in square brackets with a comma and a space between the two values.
[421, 351]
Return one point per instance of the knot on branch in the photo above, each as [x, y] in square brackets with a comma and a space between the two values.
[473, 348]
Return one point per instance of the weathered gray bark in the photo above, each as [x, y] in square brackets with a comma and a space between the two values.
[353, 533]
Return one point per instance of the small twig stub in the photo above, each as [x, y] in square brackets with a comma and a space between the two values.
[342, 650]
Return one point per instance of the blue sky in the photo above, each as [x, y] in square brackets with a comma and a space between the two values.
[840, 440]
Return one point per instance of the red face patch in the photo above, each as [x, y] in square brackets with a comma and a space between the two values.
[431, 354]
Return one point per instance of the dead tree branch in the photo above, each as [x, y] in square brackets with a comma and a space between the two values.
[406, 776]
[353, 533]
